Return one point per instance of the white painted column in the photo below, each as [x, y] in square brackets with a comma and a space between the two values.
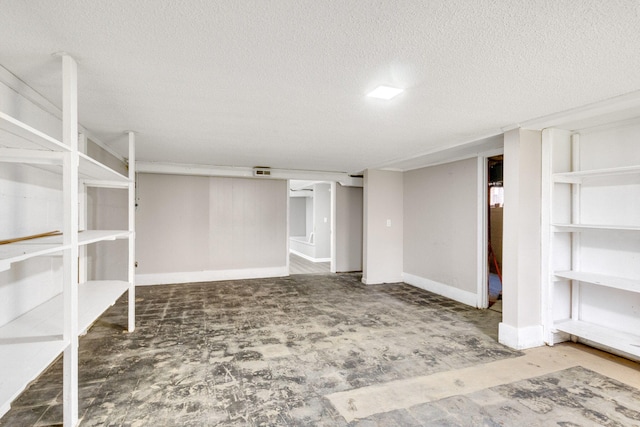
[383, 227]
[132, 232]
[521, 325]
[70, 238]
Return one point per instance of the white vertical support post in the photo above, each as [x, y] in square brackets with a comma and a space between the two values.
[575, 219]
[333, 242]
[546, 237]
[70, 237]
[288, 255]
[82, 217]
[132, 232]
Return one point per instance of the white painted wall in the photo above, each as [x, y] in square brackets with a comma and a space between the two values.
[298, 216]
[322, 220]
[383, 227]
[521, 325]
[194, 228]
[348, 228]
[30, 203]
[441, 229]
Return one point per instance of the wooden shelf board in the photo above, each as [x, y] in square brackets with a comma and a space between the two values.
[22, 363]
[92, 170]
[601, 280]
[32, 157]
[623, 341]
[578, 176]
[586, 227]
[20, 251]
[92, 236]
[25, 136]
[31, 342]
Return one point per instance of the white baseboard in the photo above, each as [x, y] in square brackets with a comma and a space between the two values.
[520, 338]
[308, 258]
[210, 275]
[445, 290]
[380, 280]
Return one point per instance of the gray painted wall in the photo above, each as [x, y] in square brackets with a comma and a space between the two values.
[348, 228]
[440, 224]
[297, 216]
[193, 223]
[107, 210]
[322, 219]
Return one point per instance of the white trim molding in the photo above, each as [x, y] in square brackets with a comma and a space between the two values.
[465, 297]
[380, 281]
[520, 338]
[210, 276]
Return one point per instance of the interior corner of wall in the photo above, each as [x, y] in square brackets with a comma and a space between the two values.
[520, 338]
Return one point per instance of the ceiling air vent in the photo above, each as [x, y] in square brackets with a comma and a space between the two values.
[259, 171]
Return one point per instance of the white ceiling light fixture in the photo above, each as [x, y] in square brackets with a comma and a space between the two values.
[385, 92]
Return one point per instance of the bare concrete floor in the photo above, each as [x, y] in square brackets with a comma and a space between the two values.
[325, 350]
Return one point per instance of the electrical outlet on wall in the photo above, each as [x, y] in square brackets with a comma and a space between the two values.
[388, 223]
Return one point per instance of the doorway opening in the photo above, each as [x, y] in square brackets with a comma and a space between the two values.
[495, 193]
[310, 227]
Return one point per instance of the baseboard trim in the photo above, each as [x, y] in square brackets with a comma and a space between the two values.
[520, 338]
[465, 297]
[380, 281]
[308, 258]
[210, 276]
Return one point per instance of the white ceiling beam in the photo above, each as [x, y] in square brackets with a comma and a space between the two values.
[246, 172]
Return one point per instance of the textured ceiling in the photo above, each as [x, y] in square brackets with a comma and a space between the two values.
[283, 83]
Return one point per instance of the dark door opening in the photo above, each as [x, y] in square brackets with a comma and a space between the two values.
[494, 230]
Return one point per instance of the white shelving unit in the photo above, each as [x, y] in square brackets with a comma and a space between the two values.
[32, 341]
[591, 241]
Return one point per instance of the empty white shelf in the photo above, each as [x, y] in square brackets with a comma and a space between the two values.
[601, 280]
[31, 342]
[20, 251]
[92, 236]
[623, 341]
[578, 177]
[94, 172]
[22, 362]
[587, 227]
[15, 134]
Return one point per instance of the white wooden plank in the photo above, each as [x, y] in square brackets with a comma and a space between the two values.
[20, 251]
[586, 227]
[625, 342]
[33, 157]
[22, 362]
[578, 177]
[31, 342]
[95, 297]
[91, 170]
[25, 136]
[601, 280]
[45, 321]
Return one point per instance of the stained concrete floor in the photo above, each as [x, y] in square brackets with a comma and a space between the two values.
[325, 350]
